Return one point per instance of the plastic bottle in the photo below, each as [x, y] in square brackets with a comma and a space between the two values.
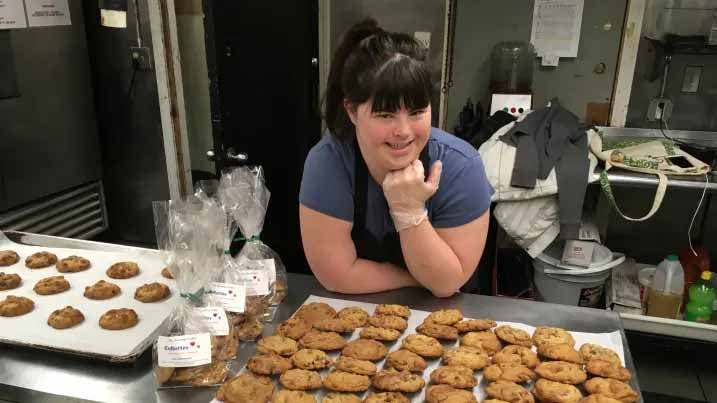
[702, 295]
[665, 296]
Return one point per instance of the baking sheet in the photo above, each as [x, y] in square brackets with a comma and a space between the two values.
[87, 338]
[610, 340]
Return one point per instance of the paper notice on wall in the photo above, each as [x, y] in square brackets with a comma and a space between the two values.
[12, 14]
[45, 13]
[556, 29]
[113, 13]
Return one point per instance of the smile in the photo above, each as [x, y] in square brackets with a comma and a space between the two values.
[400, 146]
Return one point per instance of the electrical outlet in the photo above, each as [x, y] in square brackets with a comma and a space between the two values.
[142, 57]
[660, 109]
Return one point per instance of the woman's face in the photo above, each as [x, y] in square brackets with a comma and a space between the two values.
[390, 140]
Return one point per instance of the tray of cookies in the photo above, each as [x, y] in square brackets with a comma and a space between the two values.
[340, 351]
[103, 305]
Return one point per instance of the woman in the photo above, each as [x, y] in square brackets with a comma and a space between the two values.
[373, 216]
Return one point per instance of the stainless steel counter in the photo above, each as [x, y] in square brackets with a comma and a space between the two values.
[36, 376]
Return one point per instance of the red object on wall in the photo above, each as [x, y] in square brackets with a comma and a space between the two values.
[693, 267]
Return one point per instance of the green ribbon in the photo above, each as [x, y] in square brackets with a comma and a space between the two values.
[193, 297]
[254, 238]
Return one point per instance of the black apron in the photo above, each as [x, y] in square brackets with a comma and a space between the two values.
[368, 247]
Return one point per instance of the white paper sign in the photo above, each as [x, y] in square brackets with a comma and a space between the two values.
[113, 18]
[255, 281]
[212, 319]
[45, 13]
[12, 14]
[232, 297]
[556, 29]
[184, 351]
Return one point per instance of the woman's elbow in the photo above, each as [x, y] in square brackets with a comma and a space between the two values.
[443, 292]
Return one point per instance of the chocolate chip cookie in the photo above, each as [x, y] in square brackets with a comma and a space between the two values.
[394, 381]
[423, 345]
[334, 397]
[561, 371]
[552, 335]
[438, 331]
[560, 352]
[337, 325]
[404, 360]
[466, 359]
[15, 306]
[365, 349]
[392, 309]
[511, 372]
[341, 381]
[277, 344]
[293, 328]
[354, 315]
[590, 352]
[309, 358]
[167, 273]
[326, 341]
[386, 397]
[8, 258]
[204, 375]
[246, 388]
[300, 379]
[379, 333]
[52, 285]
[293, 396]
[315, 311]
[549, 391]
[517, 354]
[40, 260]
[611, 388]
[388, 322]
[123, 270]
[102, 290]
[485, 340]
[72, 264]
[152, 292]
[454, 375]
[509, 391]
[268, 364]
[607, 369]
[512, 335]
[250, 330]
[598, 399]
[445, 317]
[474, 325]
[119, 319]
[9, 281]
[448, 394]
[65, 318]
[354, 366]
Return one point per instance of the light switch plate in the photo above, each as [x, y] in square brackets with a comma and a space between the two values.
[143, 57]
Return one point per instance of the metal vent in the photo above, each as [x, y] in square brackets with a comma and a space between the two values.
[77, 213]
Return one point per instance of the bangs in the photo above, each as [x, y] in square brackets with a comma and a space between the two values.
[401, 82]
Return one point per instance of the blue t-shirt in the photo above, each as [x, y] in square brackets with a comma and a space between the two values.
[463, 194]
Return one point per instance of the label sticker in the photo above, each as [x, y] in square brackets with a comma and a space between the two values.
[232, 297]
[184, 351]
[255, 281]
[212, 319]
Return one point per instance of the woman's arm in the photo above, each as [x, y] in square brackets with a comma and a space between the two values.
[331, 253]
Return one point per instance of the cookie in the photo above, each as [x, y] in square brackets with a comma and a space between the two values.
[250, 330]
[52, 285]
[404, 360]
[544, 335]
[365, 349]
[354, 366]
[9, 281]
[423, 345]
[454, 375]
[394, 381]
[354, 315]
[119, 319]
[379, 333]
[509, 391]
[392, 309]
[388, 322]
[225, 347]
[611, 388]
[152, 292]
[293, 328]
[40, 260]
[163, 374]
[466, 359]
[475, 325]
[561, 371]
[341, 381]
[277, 344]
[560, 352]
[517, 354]
[598, 399]
[386, 397]
[293, 396]
[448, 394]
[471, 349]
[123, 270]
[334, 397]
[15, 306]
[203, 375]
[549, 391]
[308, 358]
[8, 258]
[512, 335]
[326, 341]
[438, 331]
[334, 325]
[607, 369]
[268, 364]
[102, 290]
[485, 340]
[590, 352]
[246, 388]
[444, 317]
[65, 318]
[300, 379]
[167, 273]
[315, 311]
[72, 264]
[494, 401]
[511, 372]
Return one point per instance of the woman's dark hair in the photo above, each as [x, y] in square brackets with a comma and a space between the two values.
[371, 63]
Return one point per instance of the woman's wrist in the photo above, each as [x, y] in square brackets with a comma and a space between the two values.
[405, 220]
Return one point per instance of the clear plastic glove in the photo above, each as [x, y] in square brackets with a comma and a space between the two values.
[406, 192]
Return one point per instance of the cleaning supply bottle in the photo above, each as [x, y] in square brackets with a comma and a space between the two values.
[702, 295]
[665, 295]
